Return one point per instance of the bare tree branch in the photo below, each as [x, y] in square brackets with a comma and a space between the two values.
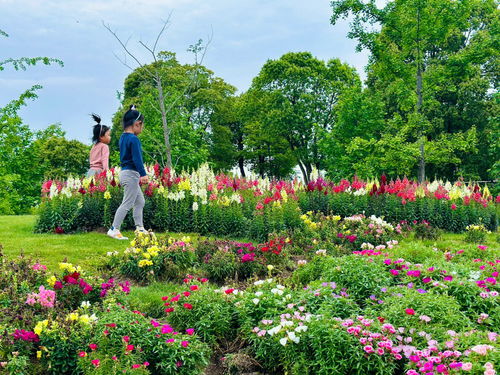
[165, 24]
[124, 46]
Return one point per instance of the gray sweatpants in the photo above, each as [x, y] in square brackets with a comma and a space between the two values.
[132, 198]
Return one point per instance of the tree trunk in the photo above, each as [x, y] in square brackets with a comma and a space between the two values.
[242, 166]
[304, 172]
[166, 129]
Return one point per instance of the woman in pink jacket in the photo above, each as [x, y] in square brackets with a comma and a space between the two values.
[99, 154]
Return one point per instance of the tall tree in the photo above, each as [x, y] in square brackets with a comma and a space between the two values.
[299, 94]
[163, 101]
[190, 119]
[435, 65]
[20, 174]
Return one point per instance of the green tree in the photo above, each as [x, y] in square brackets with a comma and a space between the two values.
[190, 118]
[19, 172]
[298, 94]
[435, 65]
[58, 157]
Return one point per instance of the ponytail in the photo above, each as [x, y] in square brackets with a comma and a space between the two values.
[99, 130]
[131, 116]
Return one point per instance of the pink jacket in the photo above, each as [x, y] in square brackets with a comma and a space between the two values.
[99, 156]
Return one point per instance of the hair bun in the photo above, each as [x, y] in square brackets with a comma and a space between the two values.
[133, 108]
[96, 118]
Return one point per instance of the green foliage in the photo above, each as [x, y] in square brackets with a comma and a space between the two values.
[444, 311]
[452, 47]
[296, 96]
[20, 171]
[359, 276]
[213, 317]
[424, 231]
[192, 94]
[164, 358]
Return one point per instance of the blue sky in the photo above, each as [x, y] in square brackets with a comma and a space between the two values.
[246, 33]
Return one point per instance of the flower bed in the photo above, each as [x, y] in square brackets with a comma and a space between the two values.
[206, 203]
[356, 308]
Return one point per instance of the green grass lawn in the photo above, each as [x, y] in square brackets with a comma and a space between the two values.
[86, 249]
[89, 249]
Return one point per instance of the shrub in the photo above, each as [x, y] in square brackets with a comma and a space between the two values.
[207, 311]
[359, 276]
[425, 231]
[405, 307]
[183, 354]
[476, 233]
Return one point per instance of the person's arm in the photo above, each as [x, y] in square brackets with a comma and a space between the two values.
[105, 157]
[137, 156]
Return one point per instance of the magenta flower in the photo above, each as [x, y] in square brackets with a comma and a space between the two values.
[410, 312]
[190, 331]
[368, 349]
[185, 343]
[96, 362]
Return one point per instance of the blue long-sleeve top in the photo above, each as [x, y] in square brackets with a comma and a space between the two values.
[131, 153]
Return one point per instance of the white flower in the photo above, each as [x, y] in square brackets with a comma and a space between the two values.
[301, 329]
[280, 287]
[269, 281]
[293, 337]
[280, 292]
[258, 294]
[258, 282]
[195, 206]
[256, 300]
[85, 304]
[283, 341]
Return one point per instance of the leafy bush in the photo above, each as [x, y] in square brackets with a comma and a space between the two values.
[476, 234]
[425, 231]
[207, 311]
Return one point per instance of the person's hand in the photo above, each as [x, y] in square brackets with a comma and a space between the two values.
[144, 180]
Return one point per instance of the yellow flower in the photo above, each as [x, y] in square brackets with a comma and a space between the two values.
[40, 326]
[287, 240]
[153, 249]
[171, 240]
[313, 225]
[336, 218]
[72, 317]
[186, 239]
[146, 255]
[420, 192]
[145, 262]
[85, 319]
[184, 185]
[486, 192]
[270, 267]
[51, 280]
[38, 354]
[67, 267]
[132, 243]
[107, 195]
[284, 196]
[303, 217]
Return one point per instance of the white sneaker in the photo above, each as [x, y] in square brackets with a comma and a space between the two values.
[116, 234]
[141, 230]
